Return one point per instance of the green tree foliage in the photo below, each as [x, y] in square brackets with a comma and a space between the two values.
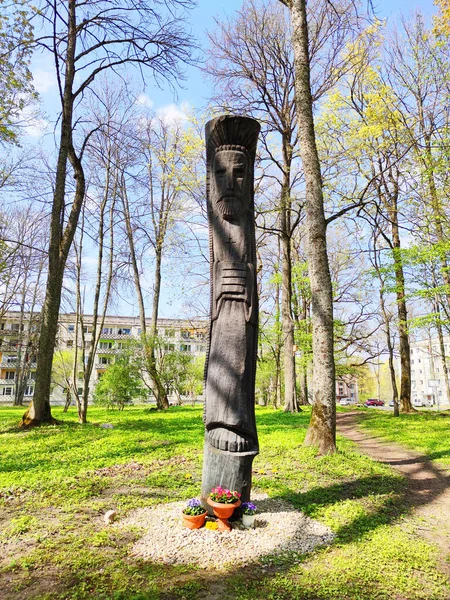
[180, 372]
[16, 87]
[119, 385]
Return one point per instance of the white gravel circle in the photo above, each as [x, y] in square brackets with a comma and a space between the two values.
[279, 528]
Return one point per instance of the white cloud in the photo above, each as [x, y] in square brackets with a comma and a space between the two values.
[173, 113]
[35, 126]
[144, 100]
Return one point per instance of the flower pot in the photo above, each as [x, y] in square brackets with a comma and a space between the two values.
[223, 512]
[248, 521]
[194, 521]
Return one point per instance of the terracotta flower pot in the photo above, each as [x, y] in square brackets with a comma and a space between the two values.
[194, 521]
[223, 512]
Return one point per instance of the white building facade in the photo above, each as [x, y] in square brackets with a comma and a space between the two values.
[18, 346]
[428, 381]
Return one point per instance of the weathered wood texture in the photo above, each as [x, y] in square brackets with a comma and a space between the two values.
[231, 440]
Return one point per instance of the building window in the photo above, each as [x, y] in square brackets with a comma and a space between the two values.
[80, 391]
[185, 347]
[107, 330]
[125, 331]
[169, 333]
[104, 360]
[87, 329]
[71, 328]
[29, 390]
[106, 345]
[69, 343]
[10, 375]
[11, 359]
[7, 391]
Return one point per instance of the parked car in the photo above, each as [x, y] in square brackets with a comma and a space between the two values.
[373, 402]
[346, 401]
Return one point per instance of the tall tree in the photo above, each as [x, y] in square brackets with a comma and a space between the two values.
[154, 224]
[252, 61]
[84, 40]
[322, 427]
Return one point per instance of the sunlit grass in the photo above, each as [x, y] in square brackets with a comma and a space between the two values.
[425, 431]
[56, 483]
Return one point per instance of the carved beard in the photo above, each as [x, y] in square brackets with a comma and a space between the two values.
[230, 206]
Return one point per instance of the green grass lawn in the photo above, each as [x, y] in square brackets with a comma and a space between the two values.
[56, 483]
[425, 431]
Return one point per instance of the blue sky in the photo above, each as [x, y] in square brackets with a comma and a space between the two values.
[193, 93]
[195, 90]
[202, 20]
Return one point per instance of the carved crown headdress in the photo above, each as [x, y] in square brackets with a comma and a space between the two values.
[231, 132]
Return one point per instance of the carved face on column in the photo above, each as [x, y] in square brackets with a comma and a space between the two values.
[230, 183]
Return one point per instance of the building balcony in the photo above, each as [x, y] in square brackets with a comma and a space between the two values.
[117, 336]
[106, 351]
[10, 382]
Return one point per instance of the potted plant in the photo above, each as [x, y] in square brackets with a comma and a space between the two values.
[194, 514]
[248, 514]
[223, 503]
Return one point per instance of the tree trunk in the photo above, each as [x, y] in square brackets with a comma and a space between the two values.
[390, 349]
[96, 326]
[60, 241]
[290, 397]
[405, 351]
[277, 380]
[322, 428]
[304, 374]
[162, 401]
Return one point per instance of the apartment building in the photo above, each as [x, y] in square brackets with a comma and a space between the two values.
[347, 387]
[18, 347]
[428, 383]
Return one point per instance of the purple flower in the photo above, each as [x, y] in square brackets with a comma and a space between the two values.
[248, 508]
[193, 503]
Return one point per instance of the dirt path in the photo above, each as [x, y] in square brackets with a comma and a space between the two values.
[428, 486]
